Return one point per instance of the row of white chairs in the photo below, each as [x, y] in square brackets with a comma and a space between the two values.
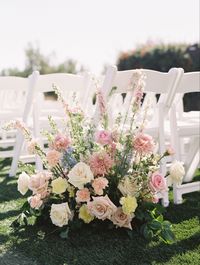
[24, 98]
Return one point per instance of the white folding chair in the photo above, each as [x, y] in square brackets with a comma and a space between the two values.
[156, 83]
[26, 118]
[69, 85]
[186, 129]
[14, 94]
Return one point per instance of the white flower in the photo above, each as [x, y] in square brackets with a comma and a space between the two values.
[80, 174]
[128, 186]
[22, 183]
[60, 214]
[177, 172]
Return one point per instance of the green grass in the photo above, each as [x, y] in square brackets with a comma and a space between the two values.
[92, 247]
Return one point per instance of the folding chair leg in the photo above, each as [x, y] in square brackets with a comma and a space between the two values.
[165, 199]
[38, 163]
[179, 190]
[17, 150]
[177, 194]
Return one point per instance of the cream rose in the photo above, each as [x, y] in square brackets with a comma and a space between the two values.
[80, 174]
[101, 207]
[23, 183]
[38, 183]
[119, 218]
[128, 186]
[176, 172]
[60, 214]
[59, 185]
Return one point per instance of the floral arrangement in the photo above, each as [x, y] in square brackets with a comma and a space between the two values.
[94, 174]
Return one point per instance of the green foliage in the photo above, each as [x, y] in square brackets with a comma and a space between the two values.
[35, 60]
[162, 57]
[153, 223]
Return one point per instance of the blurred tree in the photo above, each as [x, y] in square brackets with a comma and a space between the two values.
[162, 57]
[35, 60]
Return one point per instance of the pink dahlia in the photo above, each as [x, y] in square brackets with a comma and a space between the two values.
[100, 163]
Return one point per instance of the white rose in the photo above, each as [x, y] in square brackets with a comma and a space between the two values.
[60, 214]
[80, 174]
[23, 183]
[176, 172]
[128, 186]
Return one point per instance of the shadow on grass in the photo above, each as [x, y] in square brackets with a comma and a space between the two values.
[4, 163]
[97, 247]
[9, 214]
[8, 190]
[188, 209]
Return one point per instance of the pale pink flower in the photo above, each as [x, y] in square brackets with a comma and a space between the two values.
[143, 143]
[76, 110]
[61, 142]
[35, 201]
[99, 184]
[112, 149]
[155, 199]
[31, 146]
[83, 195]
[100, 163]
[120, 219]
[53, 157]
[101, 207]
[170, 151]
[103, 137]
[20, 125]
[138, 94]
[157, 182]
[115, 136]
[38, 183]
[101, 102]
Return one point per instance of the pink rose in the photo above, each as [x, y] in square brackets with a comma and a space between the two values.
[61, 142]
[119, 218]
[103, 137]
[83, 195]
[99, 185]
[101, 207]
[35, 201]
[53, 157]
[143, 143]
[157, 182]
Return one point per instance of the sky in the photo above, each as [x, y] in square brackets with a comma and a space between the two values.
[92, 32]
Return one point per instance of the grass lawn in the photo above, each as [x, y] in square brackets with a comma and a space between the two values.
[92, 247]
